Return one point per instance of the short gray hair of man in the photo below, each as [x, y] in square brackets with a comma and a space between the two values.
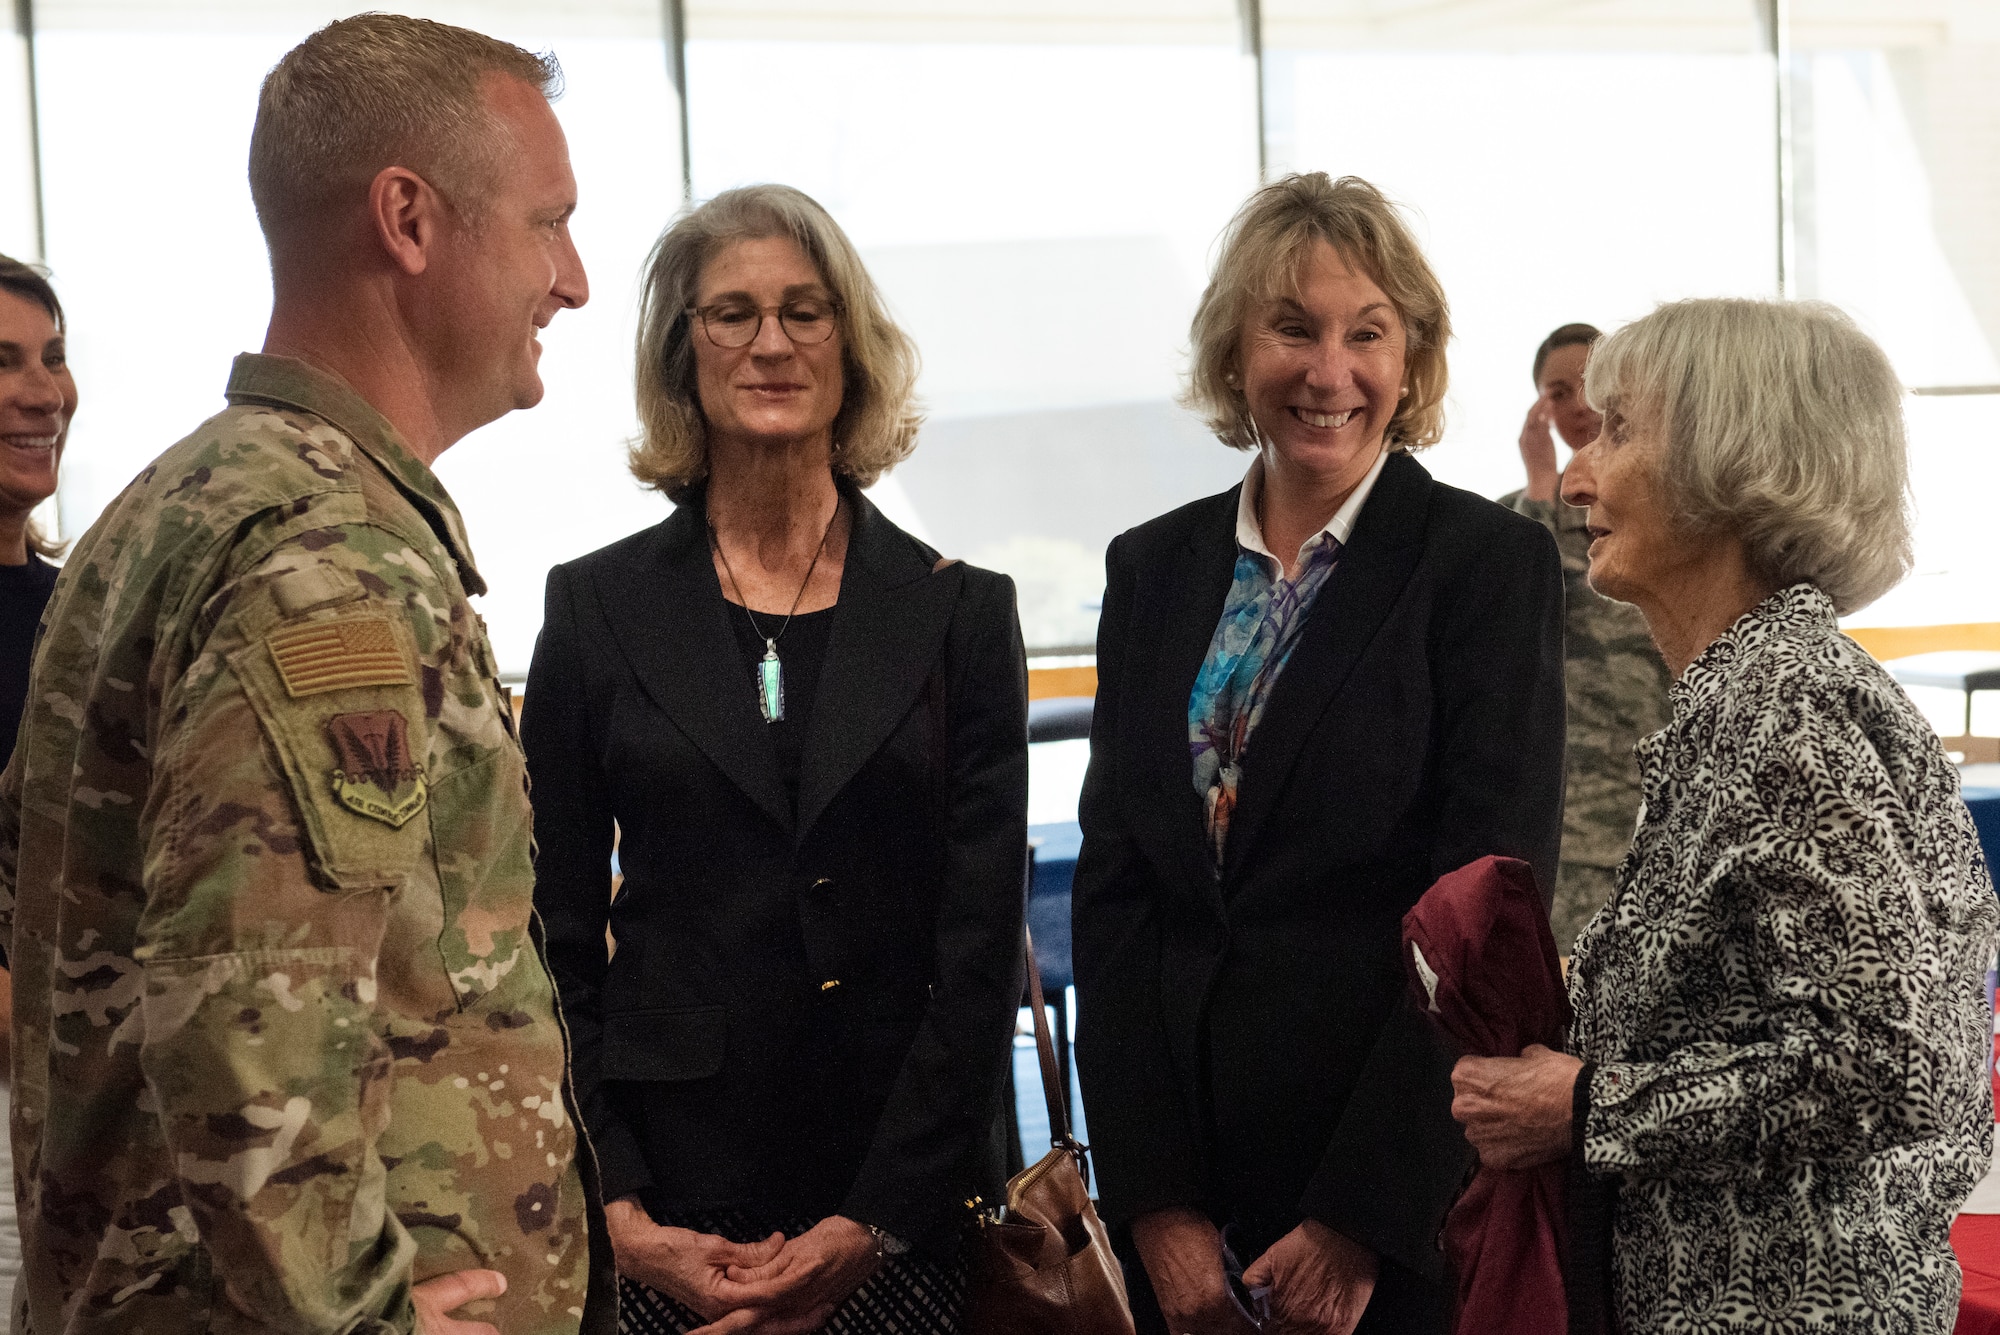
[1782, 423]
[877, 425]
[376, 91]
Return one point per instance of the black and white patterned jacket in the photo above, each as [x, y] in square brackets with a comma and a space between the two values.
[1784, 999]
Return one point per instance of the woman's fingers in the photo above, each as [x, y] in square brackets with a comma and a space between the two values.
[1475, 1105]
[759, 1321]
[783, 1275]
[1515, 1110]
[765, 1263]
[743, 1319]
[1473, 1082]
[686, 1265]
[1535, 427]
[748, 1255]
[791, 1299]
[1320, 1281]
[766, 1291]
[798, 1270]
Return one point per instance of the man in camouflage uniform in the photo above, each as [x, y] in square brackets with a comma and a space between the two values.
[1616, 680]
[287, 1057]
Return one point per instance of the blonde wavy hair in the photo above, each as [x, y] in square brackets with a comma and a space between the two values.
[877, 425]
[1264, 250]
[1780, 422]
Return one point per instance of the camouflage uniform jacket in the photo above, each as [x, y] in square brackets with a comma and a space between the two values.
[1616, 685]
[284, 1044]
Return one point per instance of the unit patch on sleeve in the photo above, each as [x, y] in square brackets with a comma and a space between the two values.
[377, 778]
[335, 655]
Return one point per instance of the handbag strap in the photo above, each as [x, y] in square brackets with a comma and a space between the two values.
[1045, 1046]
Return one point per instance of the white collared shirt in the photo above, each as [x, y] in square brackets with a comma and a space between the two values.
[1250, 537]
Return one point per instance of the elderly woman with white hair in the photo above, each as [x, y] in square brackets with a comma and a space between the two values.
[1777, 1073]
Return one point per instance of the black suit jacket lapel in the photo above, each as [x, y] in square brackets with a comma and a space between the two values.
[887, 630]
[1196, 587]
[670, 621]
[1375, 565]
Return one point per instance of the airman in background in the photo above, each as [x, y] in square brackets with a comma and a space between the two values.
[1615, 679]
[287, 1056]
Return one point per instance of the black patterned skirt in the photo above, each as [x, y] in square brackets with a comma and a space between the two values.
[912, 1294]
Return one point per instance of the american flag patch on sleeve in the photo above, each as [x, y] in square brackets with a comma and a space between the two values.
[335, 655]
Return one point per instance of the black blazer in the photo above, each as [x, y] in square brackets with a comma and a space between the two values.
[807, 1015]
[1242, 1040]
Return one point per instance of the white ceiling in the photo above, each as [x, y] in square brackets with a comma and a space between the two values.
[1428, 24]
[1319, 24]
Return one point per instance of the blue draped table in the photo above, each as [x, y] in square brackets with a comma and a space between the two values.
[1980, 785]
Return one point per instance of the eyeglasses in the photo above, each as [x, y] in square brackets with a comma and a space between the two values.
[736, 324]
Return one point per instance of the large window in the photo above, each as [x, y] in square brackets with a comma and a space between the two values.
[1036, 190]
[1563, 162]
[1038, 185]
[1895, 148]
[20, 233]
[158, 259]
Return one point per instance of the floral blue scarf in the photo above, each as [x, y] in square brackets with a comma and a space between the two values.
[1260, 625]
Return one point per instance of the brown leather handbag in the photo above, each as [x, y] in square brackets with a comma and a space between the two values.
[1042, 1264]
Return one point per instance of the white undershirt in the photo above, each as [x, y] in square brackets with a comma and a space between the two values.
[1250, 536]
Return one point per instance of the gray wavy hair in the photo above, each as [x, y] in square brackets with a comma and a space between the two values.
[1782, 423]
[877, 425]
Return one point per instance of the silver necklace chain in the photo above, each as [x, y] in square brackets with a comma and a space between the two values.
[771, 641]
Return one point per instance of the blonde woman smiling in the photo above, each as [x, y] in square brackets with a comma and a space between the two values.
[1317, 692]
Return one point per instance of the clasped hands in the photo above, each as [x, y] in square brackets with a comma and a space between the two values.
[769, 1287]
[1516, 1113]
[1319, 1281]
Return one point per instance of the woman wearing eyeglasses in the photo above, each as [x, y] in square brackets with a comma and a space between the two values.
[807, 737]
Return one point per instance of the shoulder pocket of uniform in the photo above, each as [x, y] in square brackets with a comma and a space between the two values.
[338, 695]
[315, 586]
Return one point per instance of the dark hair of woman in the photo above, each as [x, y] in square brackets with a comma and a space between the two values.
[31, 282]
[1568, 336]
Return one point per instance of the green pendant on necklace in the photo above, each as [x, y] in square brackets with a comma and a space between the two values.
[771, 684]
[770, 672]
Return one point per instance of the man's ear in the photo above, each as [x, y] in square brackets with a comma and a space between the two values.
[407, 214]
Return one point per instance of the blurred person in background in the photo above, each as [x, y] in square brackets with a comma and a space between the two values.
[1778, 1094]
[264, 850]
[1317, 693]
[37, 401]
[1614, 681]
[807, 736]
